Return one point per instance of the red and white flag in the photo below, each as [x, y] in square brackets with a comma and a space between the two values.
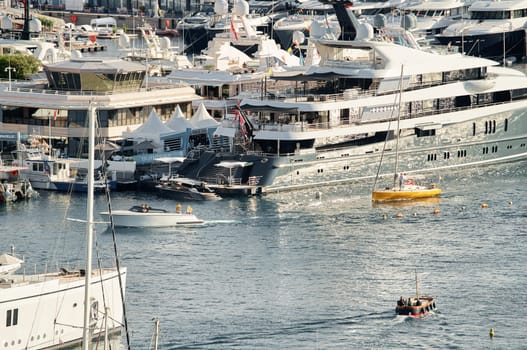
[233, 31]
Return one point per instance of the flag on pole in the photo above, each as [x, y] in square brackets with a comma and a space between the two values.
[233, 30]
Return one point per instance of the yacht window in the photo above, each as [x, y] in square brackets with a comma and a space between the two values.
[502, 96]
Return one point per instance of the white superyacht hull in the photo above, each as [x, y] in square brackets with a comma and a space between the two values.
[452, 147]
[467, 138]
[46, 311]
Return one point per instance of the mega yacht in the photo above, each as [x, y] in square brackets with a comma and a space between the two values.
[496, 30]
[335, 127]
[430, 17]
[307, 13]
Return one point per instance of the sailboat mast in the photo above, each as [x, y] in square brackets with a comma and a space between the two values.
[89, 226]
[397, 130]
[416, 286]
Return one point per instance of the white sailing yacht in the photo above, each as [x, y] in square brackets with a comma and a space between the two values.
[48, 310]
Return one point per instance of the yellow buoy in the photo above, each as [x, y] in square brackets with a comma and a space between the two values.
[484, 205]
[384, 216]
[399, 215]
[414, 214]
[510, 202]
[436, 211]
[491, 332]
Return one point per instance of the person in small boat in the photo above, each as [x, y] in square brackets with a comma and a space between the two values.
[401, 181]
[401, 301]
[179, 208]
[189, 209]
[145, 208]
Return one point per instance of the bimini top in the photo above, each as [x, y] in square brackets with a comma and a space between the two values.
[95, 74]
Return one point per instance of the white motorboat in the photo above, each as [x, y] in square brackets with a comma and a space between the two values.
[456, 111]
[12, 188]
[49, 309]
[49, 172]
[146, 216]
[9, 264]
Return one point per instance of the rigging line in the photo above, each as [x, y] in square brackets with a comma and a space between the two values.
[397, 96]
[100, 271]
[117, 262]
[398, 130]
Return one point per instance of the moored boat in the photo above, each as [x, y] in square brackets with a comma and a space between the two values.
[456, 111]
[12, 187]
[9, 264]
[186, 189]
[496, 30]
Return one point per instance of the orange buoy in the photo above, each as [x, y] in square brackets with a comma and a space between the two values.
[436, 211]
[484, 205]
[399, 215]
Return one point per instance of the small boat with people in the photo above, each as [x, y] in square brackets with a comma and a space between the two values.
[146, 216]
[417, 306]
[407, 190]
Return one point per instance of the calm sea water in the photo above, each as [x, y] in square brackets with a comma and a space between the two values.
[293, 271]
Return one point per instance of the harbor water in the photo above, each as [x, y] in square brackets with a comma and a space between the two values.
[312, 269]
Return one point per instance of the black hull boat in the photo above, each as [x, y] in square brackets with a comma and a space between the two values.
[186, 189]
[415, 306]
[494, 46]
